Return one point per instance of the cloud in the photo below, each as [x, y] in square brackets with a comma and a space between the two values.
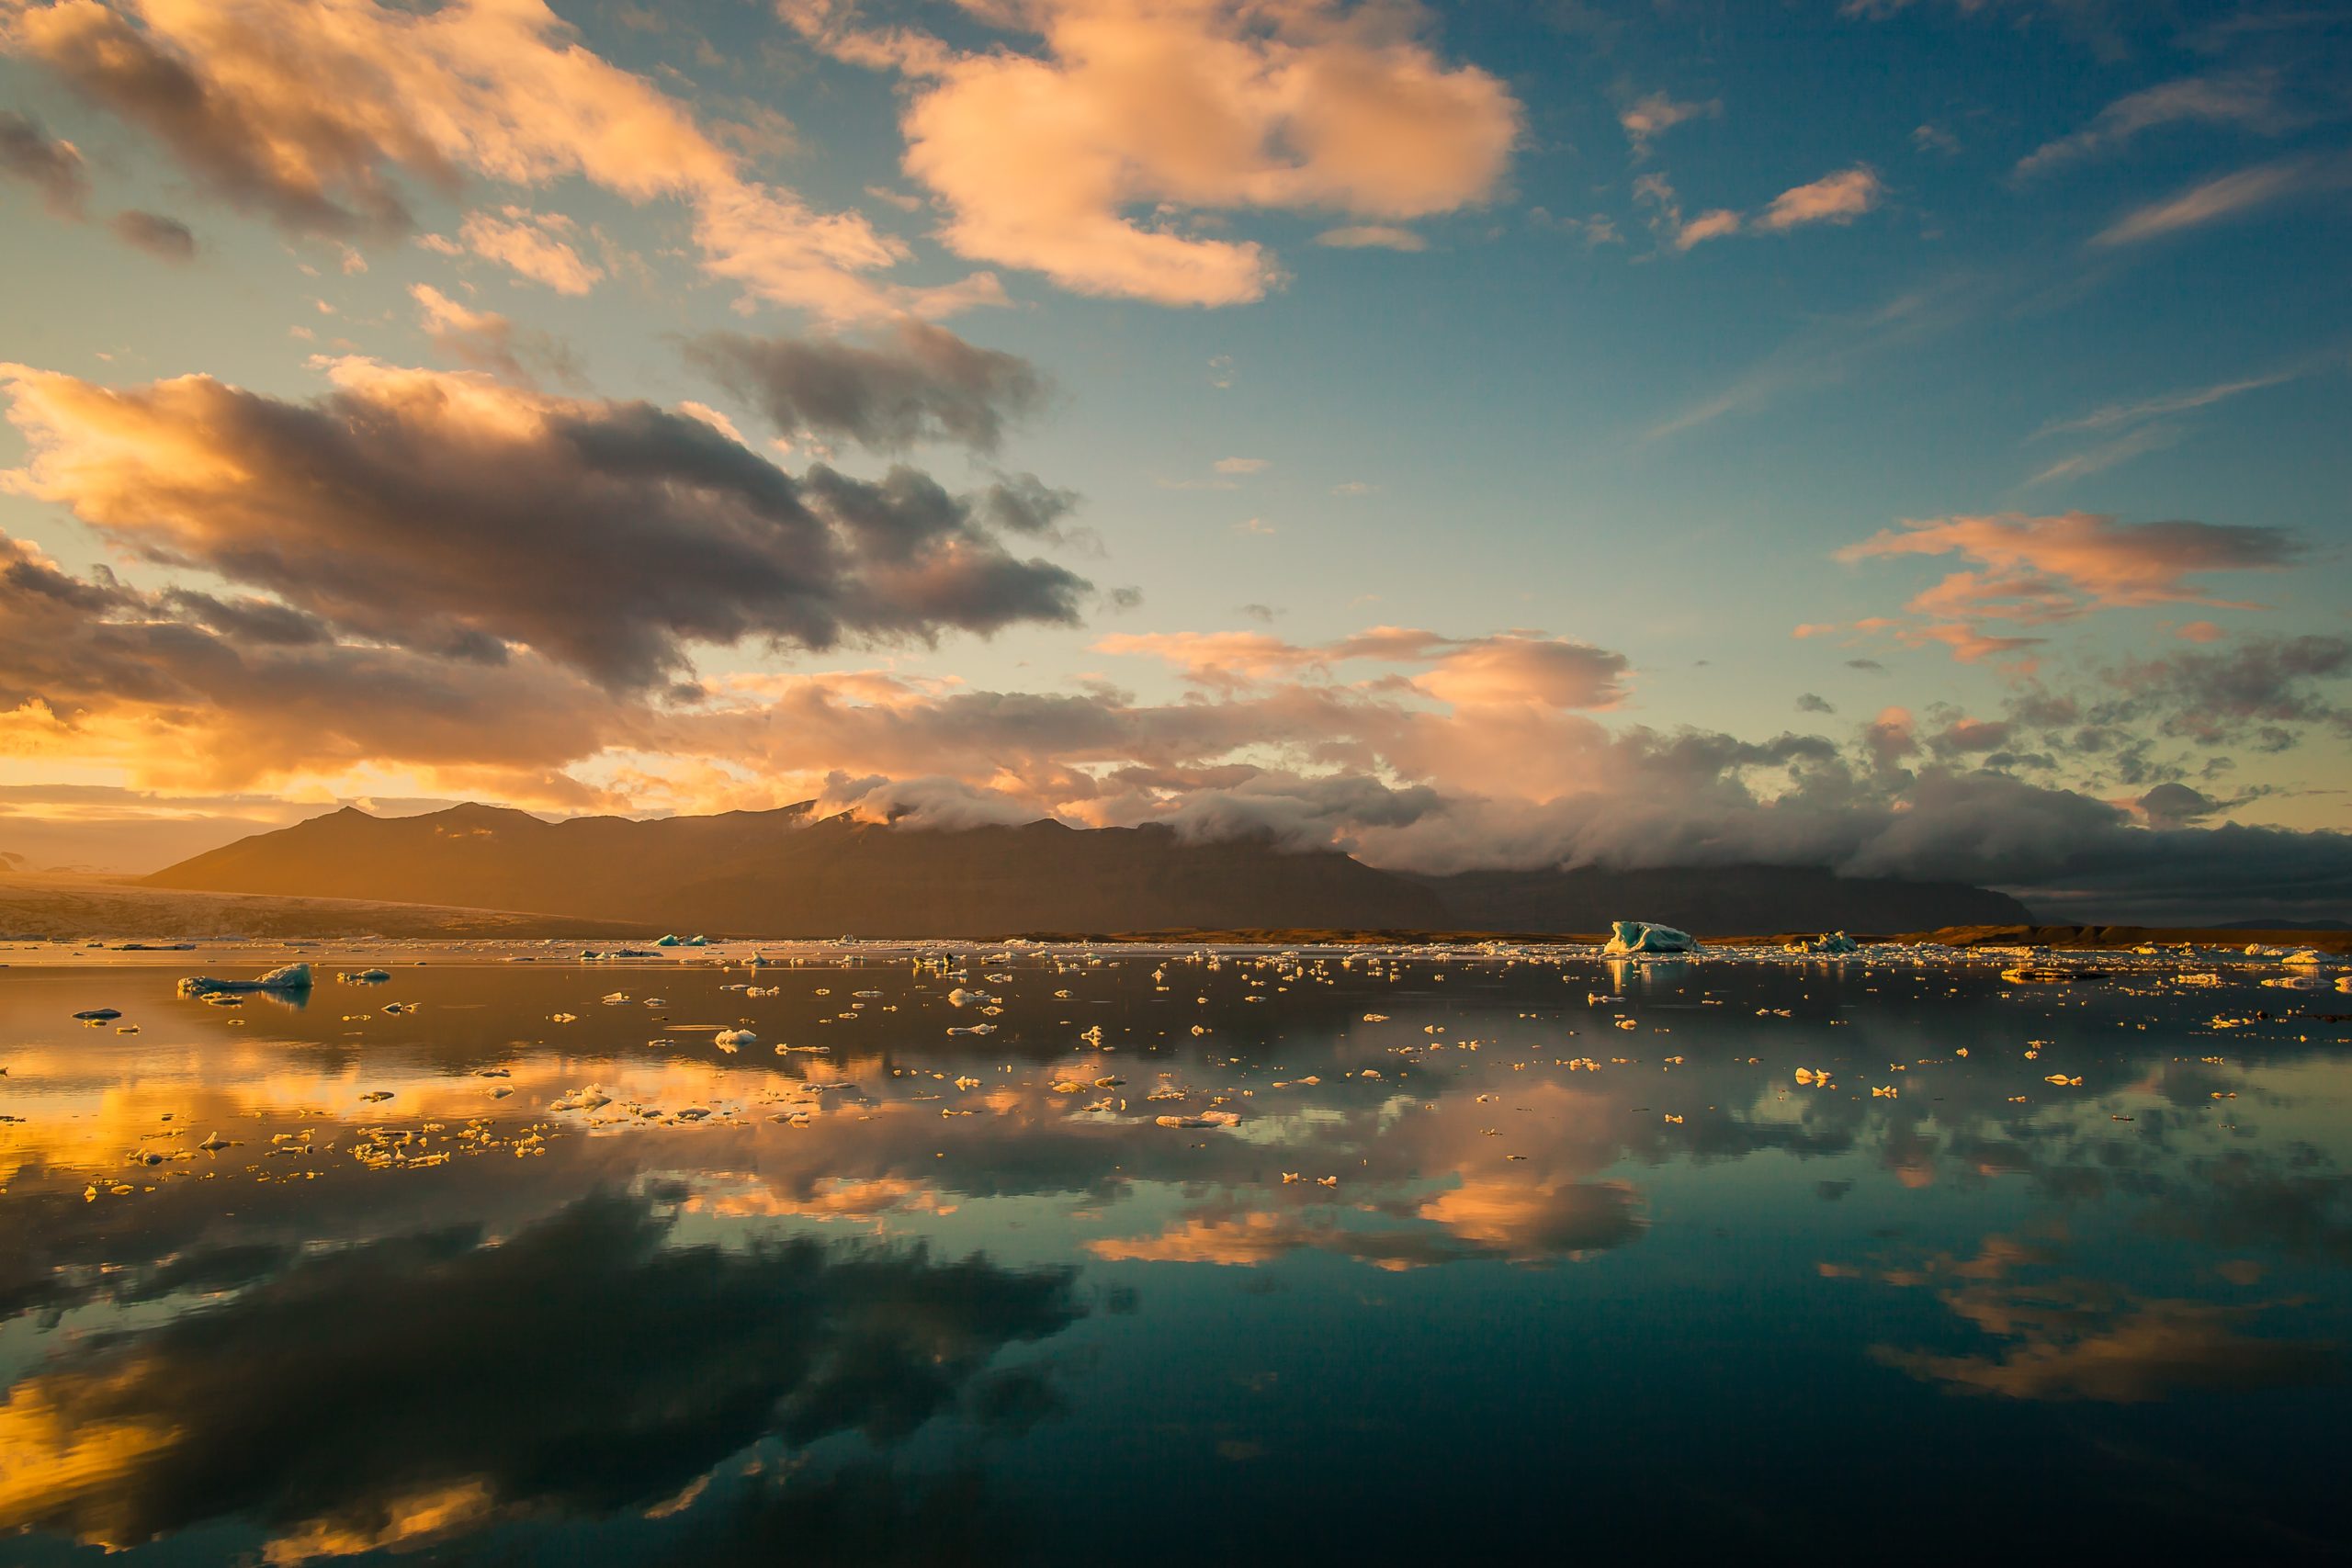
[1834, 198]
[923, 384]
[2246, 97]
[1809, 702]
[2041, 571]
[537, 245]
[1511, 668]
[444, 511]
[2129, 415]
[2215, 200]
[1372, 236]
[2211, 697]
[54, 168]
[1243, 465]
[1647, 119]
[189, 690]
[166, 239]
[315, 111]
[2174, 805]
[1173, 107]
[490, 341]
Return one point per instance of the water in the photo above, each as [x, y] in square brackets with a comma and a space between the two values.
[1544, 1284]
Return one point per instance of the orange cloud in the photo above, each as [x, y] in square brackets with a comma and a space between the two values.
[1834, 198]
[1170, 105]
[2039, 571]
[308, 109]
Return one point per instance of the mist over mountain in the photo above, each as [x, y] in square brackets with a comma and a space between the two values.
[789, 874]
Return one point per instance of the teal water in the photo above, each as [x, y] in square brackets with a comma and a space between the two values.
[1505, 1255]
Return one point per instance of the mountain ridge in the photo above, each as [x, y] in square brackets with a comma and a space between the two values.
[788, 873]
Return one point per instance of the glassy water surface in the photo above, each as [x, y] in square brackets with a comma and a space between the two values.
[930, 1253]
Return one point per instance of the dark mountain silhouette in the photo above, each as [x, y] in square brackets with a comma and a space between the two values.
[781, 873]
[788, 874]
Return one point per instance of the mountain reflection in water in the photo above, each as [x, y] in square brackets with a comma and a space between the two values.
[1326, 1256]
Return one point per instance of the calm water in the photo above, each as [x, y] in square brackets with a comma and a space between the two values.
[1307, 1257]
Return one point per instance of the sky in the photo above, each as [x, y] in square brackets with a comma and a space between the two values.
[1901, 436]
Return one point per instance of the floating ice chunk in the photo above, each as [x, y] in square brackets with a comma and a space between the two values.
[695, 942]
[99, 1015]
[292, 977]
[1205, 1119]
[1835, 942]
[2307, 958]
[971, 1029]
[665, 942]
[1641, 936]
[730, 1038]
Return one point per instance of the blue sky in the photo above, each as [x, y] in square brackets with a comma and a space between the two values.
[1601, 330]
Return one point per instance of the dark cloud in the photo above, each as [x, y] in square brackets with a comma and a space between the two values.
[166, 239]
[120, 66]
[1868, 666]
[584, 1366]
[51, 166]
[926, 384]
[435, 512]
[1809, 702]
[2176, 806]
[245, 687]
[2213, 696]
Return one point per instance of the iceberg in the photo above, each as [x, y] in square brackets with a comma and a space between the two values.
[292, 977]
[1835, 942]
[665, 942]
[1641, 936]
[2307, 958]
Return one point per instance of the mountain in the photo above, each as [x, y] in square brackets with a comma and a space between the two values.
[784, 874]
[789, 874]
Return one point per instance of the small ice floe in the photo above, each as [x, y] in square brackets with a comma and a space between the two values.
[1835, 942]
[1642, 936]
[292, 977]
[2045, 973]
[734, 1039]
[971, 1029]
[618, 999]
[363, 977]
[665, 942]
[589, 1099]
[1205, 1119]
[99, 1015]
[2307, 958]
